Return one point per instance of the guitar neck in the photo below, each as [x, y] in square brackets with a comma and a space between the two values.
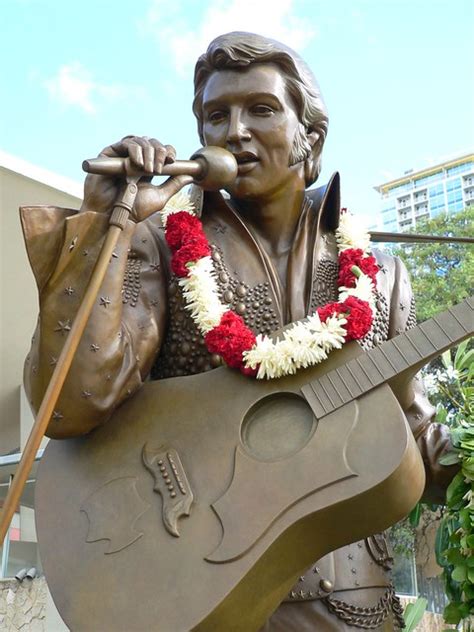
[404, 354]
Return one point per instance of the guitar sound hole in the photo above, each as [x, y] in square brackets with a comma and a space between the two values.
[277, 426]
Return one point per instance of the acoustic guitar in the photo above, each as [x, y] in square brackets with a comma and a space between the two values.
[198, 505]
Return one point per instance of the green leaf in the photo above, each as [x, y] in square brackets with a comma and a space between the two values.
[459, 573]
[456, 489]
[470, 541]
[452, 613]
[441, 542]
[415, 515]
[460, 352]
[465, 519]
[469, 591]
[466, 361]
[450, 458]
[414, 613]
[470, 560]
[441, 414]
[446, 358]
[454, 557]
[470, 575]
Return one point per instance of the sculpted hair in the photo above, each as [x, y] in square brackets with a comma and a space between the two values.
[239, 50]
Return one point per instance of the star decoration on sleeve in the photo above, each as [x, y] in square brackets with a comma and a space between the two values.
[63, 327]
[104, 301]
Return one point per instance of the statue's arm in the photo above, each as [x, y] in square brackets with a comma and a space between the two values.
[433, 438]
[124, 331]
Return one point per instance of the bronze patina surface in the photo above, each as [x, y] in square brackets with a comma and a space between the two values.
[274, 251]
[280, 475]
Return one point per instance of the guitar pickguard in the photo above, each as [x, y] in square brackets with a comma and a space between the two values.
[324, 455]
[113, 511]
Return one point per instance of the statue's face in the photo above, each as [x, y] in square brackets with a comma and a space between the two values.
[250, 113]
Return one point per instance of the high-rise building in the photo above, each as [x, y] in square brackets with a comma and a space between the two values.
[447, 187]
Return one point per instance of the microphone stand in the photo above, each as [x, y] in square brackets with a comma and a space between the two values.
[117, 223]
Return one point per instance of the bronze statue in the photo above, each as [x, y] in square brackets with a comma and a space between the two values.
[275, 255]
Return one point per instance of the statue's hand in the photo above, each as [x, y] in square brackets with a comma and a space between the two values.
[147, 155]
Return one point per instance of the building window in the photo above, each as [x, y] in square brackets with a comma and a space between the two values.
[464, 166]
[453, 185]
[431, 178]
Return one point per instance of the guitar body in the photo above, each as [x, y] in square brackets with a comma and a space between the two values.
[200, 502]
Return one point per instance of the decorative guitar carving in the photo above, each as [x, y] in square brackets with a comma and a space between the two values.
[266, 477]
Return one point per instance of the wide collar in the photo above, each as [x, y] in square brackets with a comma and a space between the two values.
[246, 258]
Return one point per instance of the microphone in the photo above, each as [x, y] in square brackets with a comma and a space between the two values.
[212, 168]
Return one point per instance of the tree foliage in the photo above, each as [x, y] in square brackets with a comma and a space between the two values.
[442, 274]
[455, 536]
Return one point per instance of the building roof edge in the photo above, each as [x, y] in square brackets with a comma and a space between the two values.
[415, 173]
[39, 174]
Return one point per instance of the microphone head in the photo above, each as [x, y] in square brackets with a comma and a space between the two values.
[219, 168]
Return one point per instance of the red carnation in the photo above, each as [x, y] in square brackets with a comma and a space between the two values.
[328, 310]
[355, 257]
[230, 339]
[180, 228]
[359, 317]
[196, 248]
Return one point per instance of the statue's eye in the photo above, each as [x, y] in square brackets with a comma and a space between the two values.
[216, 116]
[262, 110]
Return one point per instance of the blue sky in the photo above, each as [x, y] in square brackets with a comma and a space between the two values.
[396, 75]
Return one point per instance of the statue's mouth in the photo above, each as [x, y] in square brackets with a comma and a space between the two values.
[245, 157]
[246, 161]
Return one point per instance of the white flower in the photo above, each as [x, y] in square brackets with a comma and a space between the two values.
[201, 296]
[332, 334]
[442, 377]
[263, 355]
[284, 351]
[303, 345]
[364, 289]
[179, 202]
[351, 233]
[430, 383]
[452, 373]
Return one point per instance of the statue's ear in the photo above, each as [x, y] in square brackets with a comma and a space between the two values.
[313, 137]
[312, 163]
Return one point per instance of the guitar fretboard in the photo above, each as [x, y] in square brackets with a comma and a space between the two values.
[407, 352]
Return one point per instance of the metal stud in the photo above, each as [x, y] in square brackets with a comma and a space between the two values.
[326, 585]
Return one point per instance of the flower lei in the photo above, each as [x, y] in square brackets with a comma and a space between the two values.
[303, 344]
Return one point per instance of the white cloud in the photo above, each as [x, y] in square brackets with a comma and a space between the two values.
[73, 85]
[185, 42]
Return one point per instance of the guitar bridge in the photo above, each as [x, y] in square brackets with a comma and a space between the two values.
[171, 483]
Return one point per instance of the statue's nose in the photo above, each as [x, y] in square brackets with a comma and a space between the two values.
[237, 130]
